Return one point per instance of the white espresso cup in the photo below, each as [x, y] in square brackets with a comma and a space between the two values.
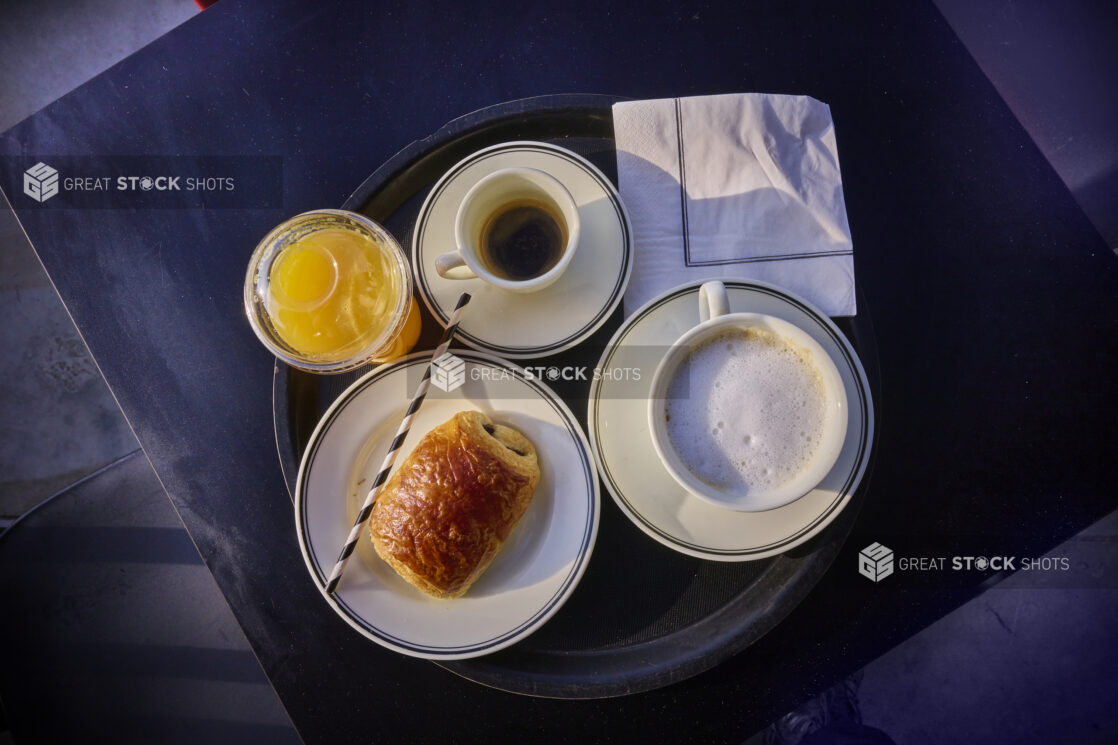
[746, 411]
[486, 231]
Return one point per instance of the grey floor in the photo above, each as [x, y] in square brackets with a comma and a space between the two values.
[133, 641]
[1038, 646]
[190, 669]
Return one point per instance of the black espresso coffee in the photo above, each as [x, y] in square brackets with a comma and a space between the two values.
[523, 240]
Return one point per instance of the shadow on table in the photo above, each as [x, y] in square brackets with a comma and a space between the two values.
[113, 629]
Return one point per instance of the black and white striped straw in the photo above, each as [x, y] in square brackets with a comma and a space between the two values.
[394, 448]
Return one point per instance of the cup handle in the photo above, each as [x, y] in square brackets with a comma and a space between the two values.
[453, 266]
[713, 301]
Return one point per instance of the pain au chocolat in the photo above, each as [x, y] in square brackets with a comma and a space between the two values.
[449, 508]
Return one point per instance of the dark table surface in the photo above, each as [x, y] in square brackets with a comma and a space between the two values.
[993, 302]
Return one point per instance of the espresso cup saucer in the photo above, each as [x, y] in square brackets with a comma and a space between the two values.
[640, 484]
[558, 317]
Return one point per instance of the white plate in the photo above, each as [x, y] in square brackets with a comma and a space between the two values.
[535, 571]
[558, 317]
[651, 498]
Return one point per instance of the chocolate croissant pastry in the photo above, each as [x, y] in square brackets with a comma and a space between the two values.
[449, 508]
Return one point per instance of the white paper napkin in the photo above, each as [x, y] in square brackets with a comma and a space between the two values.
[742, 186]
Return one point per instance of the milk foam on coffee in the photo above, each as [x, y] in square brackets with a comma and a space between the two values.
[745, 410]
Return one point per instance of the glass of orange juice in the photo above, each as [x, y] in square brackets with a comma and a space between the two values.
[329, 290]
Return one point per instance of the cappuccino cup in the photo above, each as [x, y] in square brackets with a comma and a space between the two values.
[516, 229]
[746, 411]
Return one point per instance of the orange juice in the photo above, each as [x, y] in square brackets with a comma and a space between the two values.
[335, 292]
[409, 335]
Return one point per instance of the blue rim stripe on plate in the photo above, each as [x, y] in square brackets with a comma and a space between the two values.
[561, 593]
[615, 294]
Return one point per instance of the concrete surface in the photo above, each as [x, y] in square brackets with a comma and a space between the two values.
[1055, 65]
[50, 47]
[116, 630]
[58, 418]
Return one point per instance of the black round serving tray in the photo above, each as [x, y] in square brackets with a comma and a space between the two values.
[643, 616]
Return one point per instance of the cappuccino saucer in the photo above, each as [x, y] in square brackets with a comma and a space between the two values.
[641, 486]
[558, 317]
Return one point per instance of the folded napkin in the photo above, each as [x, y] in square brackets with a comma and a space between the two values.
[741, 186]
